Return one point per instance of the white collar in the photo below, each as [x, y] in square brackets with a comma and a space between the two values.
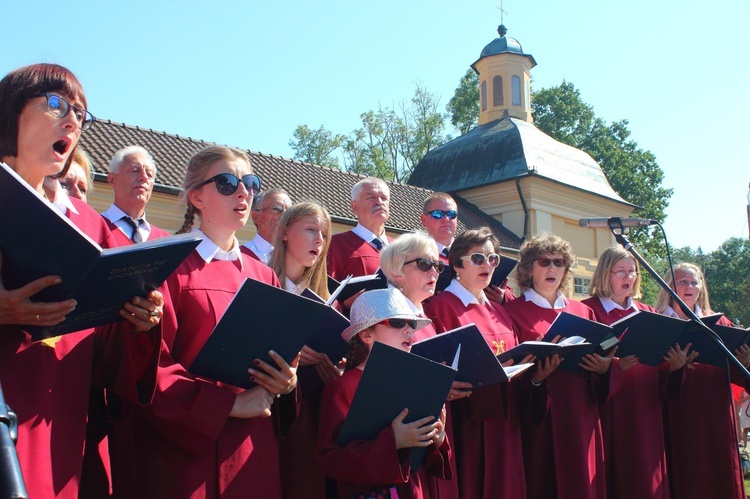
[114, 214]
[208, 250]
[368, 235]
[670, 311]
[610, 305]
[61, 201]
[464, 294]
[297, 289]
[260, 247]
[534, 297]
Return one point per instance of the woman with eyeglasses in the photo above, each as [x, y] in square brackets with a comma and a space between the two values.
[202, 438]
[486, 429]
[301, 243]
[379, 467]
[705, 401]
[46, 383]
[563, 450]
[411, 264]
[632, 418]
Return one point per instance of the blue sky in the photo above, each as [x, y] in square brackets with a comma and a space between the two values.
[246, 73]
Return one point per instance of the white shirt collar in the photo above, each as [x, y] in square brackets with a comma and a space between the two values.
[368, 235]
[115, 215]
[260, 247]
[208, 250]
[297, 289]
[670, 311]
[464, 294]
[610, 305]
[62, 201]
[538, 299]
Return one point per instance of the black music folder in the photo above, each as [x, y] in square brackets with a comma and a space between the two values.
[394, 379]
[36, 240]
[260, 318]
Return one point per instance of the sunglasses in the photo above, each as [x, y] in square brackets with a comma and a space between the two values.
[399, 323]
[425, 264]
[227, 183]
[60, 108]
[545, 262]
[478, 259]
[438, 214]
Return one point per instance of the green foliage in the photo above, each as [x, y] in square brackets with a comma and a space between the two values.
[316, 146]
[727, 271]
[388, 145]
[464, 105]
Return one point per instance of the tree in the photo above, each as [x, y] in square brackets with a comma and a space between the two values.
[316, 146]
[391, 142]
[632, 172]
[728, 279]
[464, 105]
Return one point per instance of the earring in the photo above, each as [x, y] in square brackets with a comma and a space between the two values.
[458, 276]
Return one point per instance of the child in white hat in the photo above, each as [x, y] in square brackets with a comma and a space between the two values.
[380, 467]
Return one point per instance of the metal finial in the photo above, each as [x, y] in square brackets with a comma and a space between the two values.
[501, 30]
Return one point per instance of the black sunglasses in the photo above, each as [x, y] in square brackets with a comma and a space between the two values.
[399, 323]
[545, 262]
[227, 183]
[438, 214]
[425, 264]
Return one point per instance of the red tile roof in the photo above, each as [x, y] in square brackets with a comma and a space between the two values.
[328, 186]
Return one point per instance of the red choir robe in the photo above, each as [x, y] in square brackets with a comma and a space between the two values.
[46, 383]
[486, 426]
[564, 452]
[702, 447]
[349, 254]
[96, 478]
[434, 487]
[193, 447]
[633, 422]
[366, 465]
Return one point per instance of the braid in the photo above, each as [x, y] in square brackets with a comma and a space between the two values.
[187, 225]
[357, 354]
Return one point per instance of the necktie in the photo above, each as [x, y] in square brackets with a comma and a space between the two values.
[446, 252]
[377, 243]
[135, 224]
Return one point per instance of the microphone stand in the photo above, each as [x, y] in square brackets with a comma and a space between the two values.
[617, 230]
[11, 479]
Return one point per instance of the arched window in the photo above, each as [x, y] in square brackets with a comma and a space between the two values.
[484, 95]
[516, 84]
[497, 91]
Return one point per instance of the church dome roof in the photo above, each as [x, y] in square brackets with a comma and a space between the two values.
[503, 45]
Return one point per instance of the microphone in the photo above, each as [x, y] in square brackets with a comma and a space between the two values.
[615, 222]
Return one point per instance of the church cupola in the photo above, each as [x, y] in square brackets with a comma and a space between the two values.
[504, 80]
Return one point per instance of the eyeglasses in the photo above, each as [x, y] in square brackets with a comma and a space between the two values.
[478, 259]
[545, 262]
[59, 108]
[425, 264]
[438, 214]
[399, 323]
[227, 183]
[621, 274]
[689, 282]
[278, 210]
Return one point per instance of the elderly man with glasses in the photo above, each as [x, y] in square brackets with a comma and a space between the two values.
[268, 206]
[131, 176]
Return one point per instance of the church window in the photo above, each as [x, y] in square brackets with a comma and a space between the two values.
[484, 95]
[497, 91]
